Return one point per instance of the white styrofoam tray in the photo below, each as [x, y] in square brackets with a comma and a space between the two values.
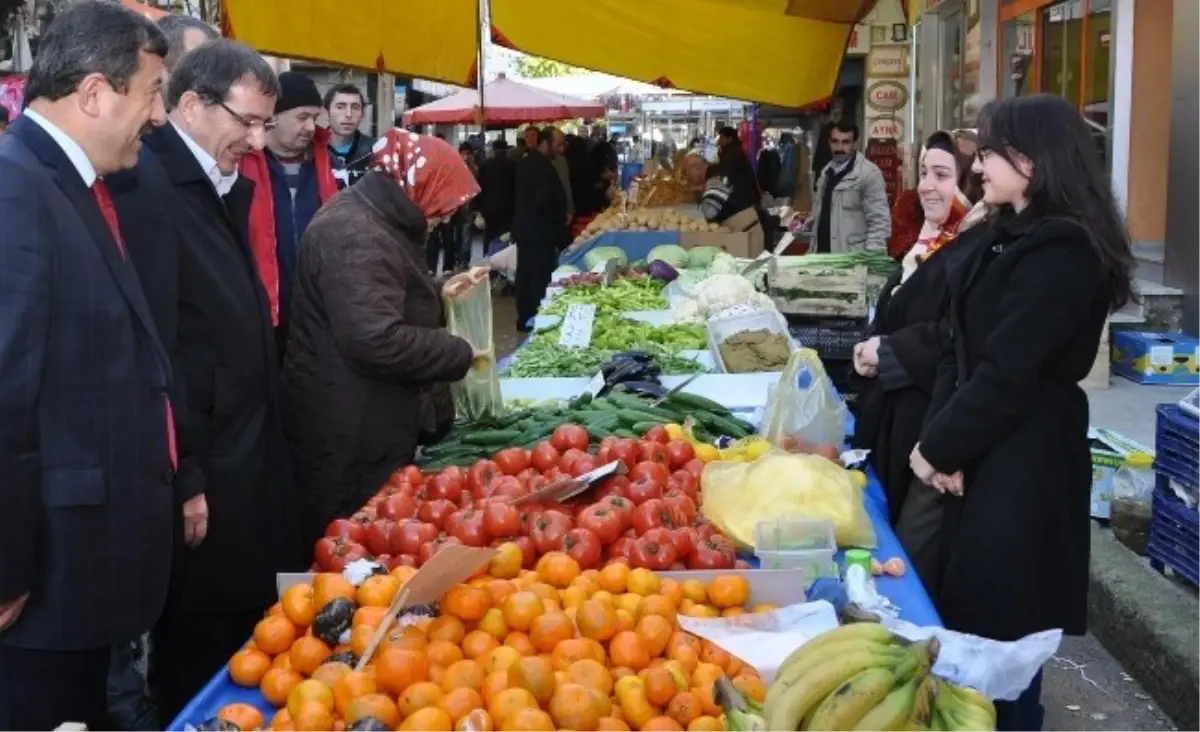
[721, 328]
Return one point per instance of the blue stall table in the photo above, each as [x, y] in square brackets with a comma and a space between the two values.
[635, 244]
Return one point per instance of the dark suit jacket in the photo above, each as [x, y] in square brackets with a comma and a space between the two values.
[192, 254]
[85, 499]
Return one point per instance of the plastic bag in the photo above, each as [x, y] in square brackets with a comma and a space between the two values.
[803, 406]
[469, 316]
[736, 496]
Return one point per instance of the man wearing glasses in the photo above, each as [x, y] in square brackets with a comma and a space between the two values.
[186, 214]
[293, 176]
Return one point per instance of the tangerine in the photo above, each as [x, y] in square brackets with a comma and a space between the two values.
[418, 696]
[378, 590]
[360, 639]
[706, 723]
[535, 675]
[521, 608]
[372, 616]
[596, 620]
[466, 602]
[398, 668]
[672, 590]
[447, 628]
[460, 702]
[590, 673]
[575, 707]
[308, 691]
[550, 629]
[684, 708]
[694, 590]
[312, 716]
[509, 701]
[244, 716]
[277, 683]
[329, 673]
[475, 721]
[307, 653]
[521, 642]
[614, 578]
[477, 643]
[528, 720]
[576, 649]
[655, 632]
[466, 674]
[661, 723]
[659, 605]
[658, 684]
[379, 706]
[274, 634]
[496, 682]
[727, 590]
[328, 585]
[714, 654]
[752, 687]
[248, 666]
[559, 569]
[643, 582]
[493, 623]
[611, 724]
[297, 604]
[443, 653]
[429, 719]
[500, 658]
[351, 687]
[626, 649]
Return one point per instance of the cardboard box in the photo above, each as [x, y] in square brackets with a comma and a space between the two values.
[1156, 358]
[739, 244]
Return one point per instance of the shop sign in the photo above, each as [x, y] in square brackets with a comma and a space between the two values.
[885, 128]
[887, 96]
[860, 41]
[888, 61]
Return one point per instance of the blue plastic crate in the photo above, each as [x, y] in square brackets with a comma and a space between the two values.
[1177, 445]
[1174, 535]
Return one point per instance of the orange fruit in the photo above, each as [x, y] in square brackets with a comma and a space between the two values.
[507, 702]
[312, 716]
[589, 673]
[378, 590]
[476, 721]
[574, 596]
[460, 702]
[493, 623]
[614, 578]
[550, 629]
[660, 724]
[643, 582]
[612, 724]
[398, 668]
[429, 719]
[625, 620]
[307, 653]
[659, 605]
[297, 605]
[627, 649]
[308, 691]
[727, 590]
[752, 687]
[360, 639]
[379, 706]
[559, 569]
[372, 616]
[248, 666]
[684, 708]
[410, 638]
[528, 720]
[535, 675]
[596, 620]
[706, 723]
[659, 685]
[507, 562]
[671, 589]
[714, 654]
[328, 585]
[274, 634]
[496, 682]
[694, 590]
[706, 674]
[350, 687]
[244, 716]
[418, 696]
[708, 702]
[655, 632]
[463, 674]
[577, 707]
[467, 603]
[521, 642]
[576, 649]
[283, 660]
[443, 653]
[330, 673]
[500, 658]
[521, 608]
[477, 643]
[277, 683]
[447, 628]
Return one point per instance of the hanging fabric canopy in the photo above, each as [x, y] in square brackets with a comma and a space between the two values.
[506, 102]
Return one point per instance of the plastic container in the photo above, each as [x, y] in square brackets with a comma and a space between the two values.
[797, 543]
[1132, 501]
[721, 328]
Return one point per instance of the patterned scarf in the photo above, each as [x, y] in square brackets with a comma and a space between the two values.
[429, 170]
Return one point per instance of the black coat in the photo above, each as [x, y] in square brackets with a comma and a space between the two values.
[540, 209]
[224, 351]
[893, 405]
[86, 502]
[1028, 301]
[497, 189]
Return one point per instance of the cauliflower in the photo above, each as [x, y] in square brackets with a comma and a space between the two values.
[723, 291]
[724, 263]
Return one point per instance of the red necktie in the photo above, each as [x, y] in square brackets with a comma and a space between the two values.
[100, 191]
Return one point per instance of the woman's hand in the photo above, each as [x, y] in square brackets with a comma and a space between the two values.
[866, 358]
[460, 283]
[929, 475]
[481, 359]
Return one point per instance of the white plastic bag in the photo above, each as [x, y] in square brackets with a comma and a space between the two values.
[469, 316]
[803, 406]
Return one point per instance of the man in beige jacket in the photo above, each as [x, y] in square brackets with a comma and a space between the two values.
[850, 210]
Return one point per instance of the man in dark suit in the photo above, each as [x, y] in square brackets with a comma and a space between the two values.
[86, 432]
[539, 223]
[186, 211]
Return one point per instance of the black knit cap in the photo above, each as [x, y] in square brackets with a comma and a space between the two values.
[297, 90]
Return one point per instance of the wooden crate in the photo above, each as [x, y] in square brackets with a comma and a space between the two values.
[816, 291]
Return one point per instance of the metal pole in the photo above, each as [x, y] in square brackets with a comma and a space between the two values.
[481, 13]
[913, 90]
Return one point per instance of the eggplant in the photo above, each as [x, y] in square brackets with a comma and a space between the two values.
[639, 356]
[662, 271]
[333, 620]
[645, 388]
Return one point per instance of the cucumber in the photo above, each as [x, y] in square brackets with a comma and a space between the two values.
[581, 400]
[450, 461]
[490, 438]
[643, 406]
[628, 434]
[643, 427]
[689, 402]
[605, 404]
[630, 417]
[721, 424]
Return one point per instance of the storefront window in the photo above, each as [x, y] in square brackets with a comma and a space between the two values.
[972, 102]
[1017, 62]
[1096, 75]
[1062, 35]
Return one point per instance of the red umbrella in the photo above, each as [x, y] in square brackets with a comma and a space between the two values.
[507, 102]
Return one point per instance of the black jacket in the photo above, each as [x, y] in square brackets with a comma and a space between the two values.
[348, 169]
[224, 352]
[497, 188]
[540, 212]
[1028, 298]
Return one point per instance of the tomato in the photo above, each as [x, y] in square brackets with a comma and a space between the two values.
[334, 553]
[378, 538]
[652, 514]
[644, 489]
[658, 433]
[567, 462]
[620, 549]
[467, 527]
[501, 519]
[695, 467]
[603, 521]
[512, 460]
[655, 471]
[506, 486]
[433, 547]
[712, 553]
[582, 466]
[654, 452]
[481, 475]
[681, 509]
[623, 507]
[436, 512]
[534, 484]
[354, 531]
[400, 505]
[679, 454]
[626, 451]
[528, 551]
[583, 546]
[403, 560]
[653, 552]
[686, 483]
[545, 456]
[447, 486]
[684, 540]
[527, 475]
[569, 436]
[616, 485]
[548, 531]
[705, 530]
[603, 450]
[410, 534]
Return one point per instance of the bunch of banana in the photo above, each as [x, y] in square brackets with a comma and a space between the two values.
[742, 714]
[959, 709]
[858, 676]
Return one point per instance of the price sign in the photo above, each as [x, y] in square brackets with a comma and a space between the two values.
[596, 385]
[576, 331]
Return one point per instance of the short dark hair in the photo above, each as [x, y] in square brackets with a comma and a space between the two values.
[499, 144]
[728, 132]
[343, 89]
[465, 147]
[175, 27]
[91, 37]
[845, 125]
[546, 134]
[216, 67]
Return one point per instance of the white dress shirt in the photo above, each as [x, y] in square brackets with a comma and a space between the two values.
[221, 182]
[71, 148]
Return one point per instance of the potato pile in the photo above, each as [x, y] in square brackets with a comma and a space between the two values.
[644, 219]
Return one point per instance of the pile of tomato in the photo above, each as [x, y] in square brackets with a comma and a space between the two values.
[649, 517]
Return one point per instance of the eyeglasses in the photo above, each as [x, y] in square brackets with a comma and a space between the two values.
[250, 124]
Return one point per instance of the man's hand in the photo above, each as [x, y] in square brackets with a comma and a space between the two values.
[952, 484]
[195, 520]
[10, 611]
[929, 475]
[866, 358]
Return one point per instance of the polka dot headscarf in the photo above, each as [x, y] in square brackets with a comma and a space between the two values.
[428, 169]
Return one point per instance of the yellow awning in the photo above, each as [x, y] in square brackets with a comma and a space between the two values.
[751, 50]
[427, 39]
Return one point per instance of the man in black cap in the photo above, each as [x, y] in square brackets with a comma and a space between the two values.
[293, 176]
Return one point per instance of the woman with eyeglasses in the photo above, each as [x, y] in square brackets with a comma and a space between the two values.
[1029, 291]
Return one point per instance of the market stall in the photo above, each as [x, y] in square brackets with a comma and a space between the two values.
[505, 102]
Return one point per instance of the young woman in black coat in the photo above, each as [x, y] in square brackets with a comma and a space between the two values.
[1006, 439]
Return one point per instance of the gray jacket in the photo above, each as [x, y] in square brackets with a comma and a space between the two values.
[861, 218]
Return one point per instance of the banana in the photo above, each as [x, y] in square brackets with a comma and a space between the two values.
[861, 631]
[823, 656]
[975, 699]
[847, 704]
[798, 700]
[922, 711]
[893, 712]
[951, 713]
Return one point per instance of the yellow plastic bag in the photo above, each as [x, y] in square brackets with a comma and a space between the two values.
[804, 406]
[469, 316]
[736, 496]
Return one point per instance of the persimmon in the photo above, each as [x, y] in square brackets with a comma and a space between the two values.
[529, 720]
[500, 658]
[496, 682]
[245, 716]
[460, 702]
[351, 686]
[589, 673]
[535, 675]
[274, 634]
[329, 673]
[626, 649]
[477, 643]
[398, 668]
[558, 569]
[596, 620]
[550, 629]
[752, 687]
[447, 628]
[493, 623]
[643, 582]
[379, 706]
[297, 604]
[248, 666]
[659, 685]
[467, 674]
[468, 603]
[378, 591]
[614, 578]
[307, 653]
[328, 585]
[661, 723]
[521, 608]
[684, 708]
[727, 590]
[305, 692]
[418, 696]
[655, 632]
[574, 707]
[277, 683]
[443, 653]
[509, 701]
[521, 642]
[429, 719]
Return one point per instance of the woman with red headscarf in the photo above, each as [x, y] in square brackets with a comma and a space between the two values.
[369, 361]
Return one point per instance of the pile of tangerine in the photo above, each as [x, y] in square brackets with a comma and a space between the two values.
[552, 648]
